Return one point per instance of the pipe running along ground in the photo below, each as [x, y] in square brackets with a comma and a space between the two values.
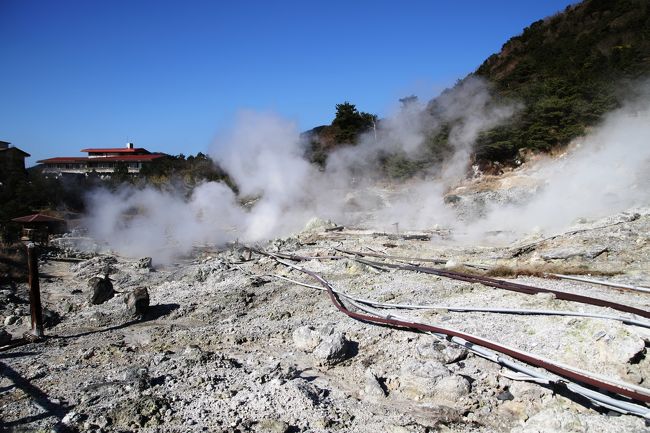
[623, 389]
[501, 284]
[524, 372]
[470, 309]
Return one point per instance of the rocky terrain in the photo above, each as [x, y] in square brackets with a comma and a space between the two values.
[223, 341]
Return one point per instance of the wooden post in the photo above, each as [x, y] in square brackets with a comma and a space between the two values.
[34, 292]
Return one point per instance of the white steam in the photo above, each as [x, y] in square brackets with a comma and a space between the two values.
[263, 154]
[149, 222]
[608, 172]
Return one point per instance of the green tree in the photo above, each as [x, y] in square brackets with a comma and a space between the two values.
[349, 122]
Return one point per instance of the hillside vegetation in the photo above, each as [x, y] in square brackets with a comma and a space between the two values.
[565, 72]
[568, 70]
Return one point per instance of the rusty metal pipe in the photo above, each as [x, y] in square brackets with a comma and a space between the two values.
[515, 287]
[627, 390]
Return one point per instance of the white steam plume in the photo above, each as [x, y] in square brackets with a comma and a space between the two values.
[149, 222]
[264, 156]
[608, 172]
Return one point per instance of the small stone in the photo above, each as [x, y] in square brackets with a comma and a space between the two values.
[505, 395]
[193, 352]
[373, 388]
[137, 301]
[88, 354]
[144, 263]
[10, 320]
[451, 264]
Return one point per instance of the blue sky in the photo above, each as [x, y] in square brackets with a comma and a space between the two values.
[170, 75]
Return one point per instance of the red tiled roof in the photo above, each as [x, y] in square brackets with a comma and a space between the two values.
[63, 159]
[37, 218]
[148, 157]
[81, 159]
[116, 150]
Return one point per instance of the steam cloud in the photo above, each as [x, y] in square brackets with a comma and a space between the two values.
[263, 153]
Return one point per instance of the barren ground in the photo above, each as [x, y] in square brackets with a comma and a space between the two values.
[228, 346]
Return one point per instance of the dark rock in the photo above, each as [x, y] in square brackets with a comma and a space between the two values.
[137, 301]
[102, 290]
[5, 337]
[505, 395]
[144, 263]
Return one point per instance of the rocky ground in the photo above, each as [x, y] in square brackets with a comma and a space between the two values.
[227, 346]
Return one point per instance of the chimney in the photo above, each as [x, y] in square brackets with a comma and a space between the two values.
[129, 145]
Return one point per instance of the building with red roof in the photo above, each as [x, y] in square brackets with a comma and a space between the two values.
[102, 160]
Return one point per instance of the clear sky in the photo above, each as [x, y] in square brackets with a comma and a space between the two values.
[169, 75]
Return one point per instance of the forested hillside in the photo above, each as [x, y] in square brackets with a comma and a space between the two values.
[568, 70]
[564, 73]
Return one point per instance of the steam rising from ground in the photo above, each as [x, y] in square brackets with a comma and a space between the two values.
[608, 172]
[161, 224]
[263, 154]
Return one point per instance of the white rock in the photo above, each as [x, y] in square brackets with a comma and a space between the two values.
[306, 338]
[451, 388]
[332, 349]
